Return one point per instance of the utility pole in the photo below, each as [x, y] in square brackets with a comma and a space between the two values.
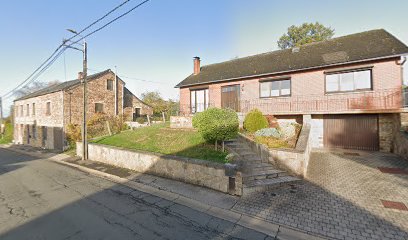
[85, 89]
[85, 107]
[1, 117]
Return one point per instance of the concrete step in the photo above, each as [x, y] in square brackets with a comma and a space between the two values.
[262, 174]
[256, 164]
[268, 184]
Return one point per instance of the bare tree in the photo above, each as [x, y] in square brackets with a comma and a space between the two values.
[33, 87]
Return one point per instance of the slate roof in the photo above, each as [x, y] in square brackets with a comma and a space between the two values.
[62, 86]
[362, 46]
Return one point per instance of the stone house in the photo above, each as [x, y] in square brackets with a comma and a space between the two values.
[41, 118]
[133, 107]
[349, 89]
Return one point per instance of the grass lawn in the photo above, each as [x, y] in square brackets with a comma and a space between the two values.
[161, 139]
[8, 136]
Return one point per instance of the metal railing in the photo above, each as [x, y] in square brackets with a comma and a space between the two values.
[387, 99]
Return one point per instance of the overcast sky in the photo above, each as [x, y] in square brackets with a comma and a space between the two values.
[158, 41]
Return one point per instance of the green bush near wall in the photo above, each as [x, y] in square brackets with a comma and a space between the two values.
[215, 124]
[255, 121]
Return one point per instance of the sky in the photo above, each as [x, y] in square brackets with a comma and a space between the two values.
[157, 42]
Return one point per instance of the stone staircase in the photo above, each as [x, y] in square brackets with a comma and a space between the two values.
[258, 176]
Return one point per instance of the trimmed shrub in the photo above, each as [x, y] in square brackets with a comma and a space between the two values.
[255, 121]
[215, 124]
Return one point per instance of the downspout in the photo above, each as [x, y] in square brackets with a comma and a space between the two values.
[401, 63]
[63, 120]
[116, 93]
[403, 91]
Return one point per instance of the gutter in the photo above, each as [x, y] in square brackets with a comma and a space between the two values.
[294, 70]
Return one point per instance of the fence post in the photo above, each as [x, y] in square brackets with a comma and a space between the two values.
[164, 118]
[148, 120]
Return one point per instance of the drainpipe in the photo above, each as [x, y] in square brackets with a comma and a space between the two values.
[404, 92]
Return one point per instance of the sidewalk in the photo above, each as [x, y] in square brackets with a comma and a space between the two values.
[205, 200]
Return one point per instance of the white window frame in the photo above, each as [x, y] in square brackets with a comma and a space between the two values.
[270, 83]
[354, 72]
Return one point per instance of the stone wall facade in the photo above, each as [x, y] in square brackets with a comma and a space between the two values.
[220, 177]
[400, 143]
[131, 102]
[35, 126]
[97, 91]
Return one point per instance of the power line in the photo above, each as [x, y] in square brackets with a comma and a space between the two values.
[122, 76]
[27, 80]
[110, 22]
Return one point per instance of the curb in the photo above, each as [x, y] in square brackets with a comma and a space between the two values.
[257, 224]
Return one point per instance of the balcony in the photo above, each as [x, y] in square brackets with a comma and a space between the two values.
[388, 100]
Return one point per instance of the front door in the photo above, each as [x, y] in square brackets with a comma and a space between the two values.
[44, 136]
[230, 97]
[136, 114]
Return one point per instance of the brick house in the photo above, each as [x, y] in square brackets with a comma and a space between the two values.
[42, 117]
[348, 88]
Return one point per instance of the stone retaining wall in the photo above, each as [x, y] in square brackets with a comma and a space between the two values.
[181, 122]
[217, 176]
[294, 161]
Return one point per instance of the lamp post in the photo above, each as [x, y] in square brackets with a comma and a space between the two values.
[84, 83]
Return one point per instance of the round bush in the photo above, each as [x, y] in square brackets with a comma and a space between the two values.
[215, 124]
[255, 121]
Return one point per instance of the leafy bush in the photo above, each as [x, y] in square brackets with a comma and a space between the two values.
[215, 124]
[73, 134]
[268, 132]
[140, 120]
[255, 121]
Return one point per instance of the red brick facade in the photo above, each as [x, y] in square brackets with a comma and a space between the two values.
[308, 94]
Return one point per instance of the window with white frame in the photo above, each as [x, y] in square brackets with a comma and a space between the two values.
[274, 88]
[349, 81]
[199, 100]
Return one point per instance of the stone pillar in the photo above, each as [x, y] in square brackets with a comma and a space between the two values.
[307, 119]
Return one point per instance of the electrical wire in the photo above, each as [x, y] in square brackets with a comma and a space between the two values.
[27, 81]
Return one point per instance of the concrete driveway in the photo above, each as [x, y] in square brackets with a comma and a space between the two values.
[347, 195]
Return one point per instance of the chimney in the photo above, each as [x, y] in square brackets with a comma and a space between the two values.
[80, 75]
[196, 65]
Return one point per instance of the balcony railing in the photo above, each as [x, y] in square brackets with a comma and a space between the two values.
[388, 99]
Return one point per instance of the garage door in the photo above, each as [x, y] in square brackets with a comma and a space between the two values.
[351, 131]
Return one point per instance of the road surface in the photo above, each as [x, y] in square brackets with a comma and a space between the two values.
[41, 199]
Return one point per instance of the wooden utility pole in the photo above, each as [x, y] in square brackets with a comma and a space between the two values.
[1, 118]
[85, 102]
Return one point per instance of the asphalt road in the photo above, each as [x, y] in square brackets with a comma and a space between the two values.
[41, 199]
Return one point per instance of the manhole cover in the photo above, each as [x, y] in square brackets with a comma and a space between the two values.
[394, 205]
[393, 170]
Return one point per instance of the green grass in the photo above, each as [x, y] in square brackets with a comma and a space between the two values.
[161, 139]
[8, 136]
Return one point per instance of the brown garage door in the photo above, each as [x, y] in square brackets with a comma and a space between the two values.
[351, 131]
